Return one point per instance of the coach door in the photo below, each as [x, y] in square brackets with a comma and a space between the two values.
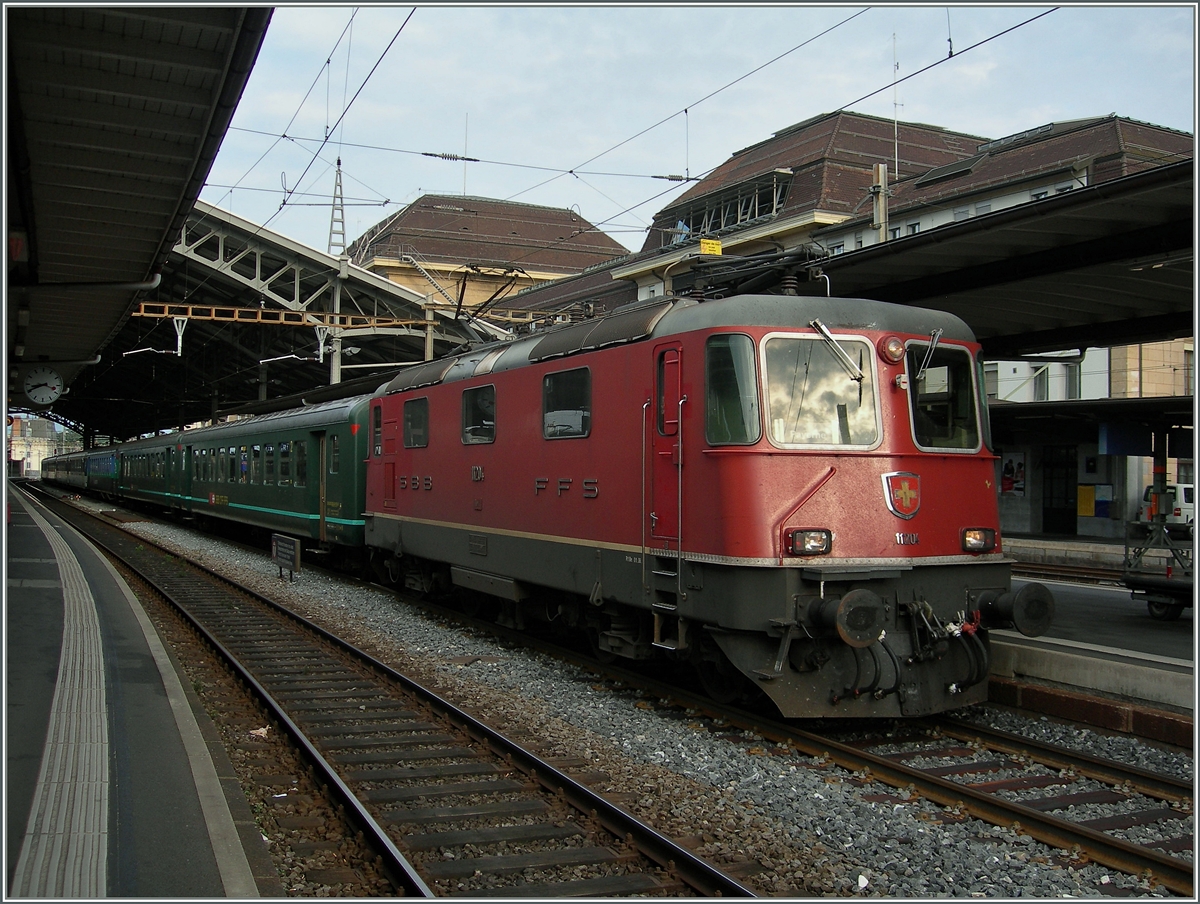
[185, 478]
[322, 482]
[666, 452]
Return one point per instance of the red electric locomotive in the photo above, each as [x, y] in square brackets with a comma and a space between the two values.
[793, 494]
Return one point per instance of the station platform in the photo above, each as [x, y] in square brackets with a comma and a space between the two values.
[1104, 661]
[116, 782]
[1074, 552]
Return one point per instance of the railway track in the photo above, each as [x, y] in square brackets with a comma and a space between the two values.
[1078, 574]
[1051, 794]
[1047, 792]
[450, 806]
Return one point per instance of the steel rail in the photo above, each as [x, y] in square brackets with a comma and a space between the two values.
[1077, 574]
[694, 871]
[691, 869]
[402, 873]
[1152, 784]
[1172, 872]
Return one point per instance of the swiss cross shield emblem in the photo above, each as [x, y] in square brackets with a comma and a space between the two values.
[902, 490]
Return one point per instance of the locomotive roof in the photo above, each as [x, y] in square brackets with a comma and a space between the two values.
[661, 317]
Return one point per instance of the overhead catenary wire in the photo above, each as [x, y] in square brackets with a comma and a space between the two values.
[842, 108]
[708, 96]
[683, 111]
[345, 110]
[939, 62]
[460, 158]
[316, 154]
[559, 173]
[299, 107]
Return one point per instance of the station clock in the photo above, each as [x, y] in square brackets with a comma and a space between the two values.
[43, 385]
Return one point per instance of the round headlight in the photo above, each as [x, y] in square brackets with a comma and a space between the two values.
[891, 349]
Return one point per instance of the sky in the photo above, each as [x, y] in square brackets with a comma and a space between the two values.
[587, 107]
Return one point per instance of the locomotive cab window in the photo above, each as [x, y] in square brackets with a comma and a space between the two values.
[416, 424]
[985, 418]
[731, 391]
[479, 415]
[567, 404]
[941, 394]
[818, 395]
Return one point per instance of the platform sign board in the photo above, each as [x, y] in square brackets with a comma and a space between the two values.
[285, 552]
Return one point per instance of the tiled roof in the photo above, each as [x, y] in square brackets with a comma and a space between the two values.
[831, 158]
[1110, 147]
[488, 233]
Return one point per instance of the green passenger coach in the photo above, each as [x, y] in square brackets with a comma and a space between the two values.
[299, 472]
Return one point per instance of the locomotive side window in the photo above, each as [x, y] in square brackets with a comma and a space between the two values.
[567, 404]
[416, 424]
[377, 430]
[731, 387]
[941, 395]
[479, 415]
[812, 397]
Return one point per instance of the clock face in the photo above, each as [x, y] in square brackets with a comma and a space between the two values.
[43, 385]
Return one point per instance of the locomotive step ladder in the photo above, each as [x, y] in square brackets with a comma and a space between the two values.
[670, 629]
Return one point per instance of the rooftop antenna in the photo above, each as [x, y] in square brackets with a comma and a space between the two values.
[337, 217]
[895, 108]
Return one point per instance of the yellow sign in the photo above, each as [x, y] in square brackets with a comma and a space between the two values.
[1085, 500]
[710, 246]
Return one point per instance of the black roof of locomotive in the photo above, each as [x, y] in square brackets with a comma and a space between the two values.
[665, 316]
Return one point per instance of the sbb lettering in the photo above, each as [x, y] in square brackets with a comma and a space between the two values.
[415, 482]
[591, 486]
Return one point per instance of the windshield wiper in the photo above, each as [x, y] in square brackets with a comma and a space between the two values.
[839, 353]
[934, 337]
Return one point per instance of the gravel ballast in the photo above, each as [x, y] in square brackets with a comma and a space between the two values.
[791, 825]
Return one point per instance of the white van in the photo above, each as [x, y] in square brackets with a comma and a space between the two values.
[1182, 506]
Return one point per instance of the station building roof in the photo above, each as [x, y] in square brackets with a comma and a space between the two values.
[456, 230]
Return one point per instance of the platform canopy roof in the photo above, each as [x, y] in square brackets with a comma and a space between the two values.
[1111, 264]
[115, 116]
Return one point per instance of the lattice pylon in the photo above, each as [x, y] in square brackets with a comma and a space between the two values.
[337, 218]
